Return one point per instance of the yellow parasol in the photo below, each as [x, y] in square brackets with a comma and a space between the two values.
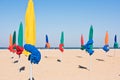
[30, 26]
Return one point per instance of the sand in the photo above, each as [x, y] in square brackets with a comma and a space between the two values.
[104, 66]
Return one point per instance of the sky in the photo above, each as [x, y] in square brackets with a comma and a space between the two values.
[74, 17]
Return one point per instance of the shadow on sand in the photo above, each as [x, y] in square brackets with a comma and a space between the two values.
[58, 60]
[16, 61]
[22, 68]
[99, 59]
[79, 56]
[32, 78]
[82, 67]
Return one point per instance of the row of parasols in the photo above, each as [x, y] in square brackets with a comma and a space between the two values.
[18, 49]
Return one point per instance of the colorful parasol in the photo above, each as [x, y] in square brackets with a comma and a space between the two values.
[106, 38]
[91, 35]
[14, 38]
[20, 35]
[89, 44]
[115, 42]
[10, 43]
[106, 46]
[35, 55]
[82, 43]
[30, 36]
[61, 45]
[47, 45]
[30, 29]
[10, 40]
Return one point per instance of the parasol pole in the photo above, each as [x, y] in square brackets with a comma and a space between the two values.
[61, 56]
[30, 71]
[91, 46]
[30, 29]
[62, 42]
[114, 52]
[90, 63]
[105, 55]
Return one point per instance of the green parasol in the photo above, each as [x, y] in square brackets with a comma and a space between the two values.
[62, 38]
[115, 42]
[91, 36]
[14, 38]
[20, 35]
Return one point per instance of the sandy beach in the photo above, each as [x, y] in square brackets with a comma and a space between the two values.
[75, 65]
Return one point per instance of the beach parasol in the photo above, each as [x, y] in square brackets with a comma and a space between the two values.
[30, 29]
[20, 35]
[10, 43]
[47, 45]
[10, 40]
[89, 45]
[30, 35]
[61, 45]
[91, 36]
[106, 46]
[82, 43]
[13, 48]
[115, 44]
[19, 47]
[35, 54]
[106, 38]
[14, 38]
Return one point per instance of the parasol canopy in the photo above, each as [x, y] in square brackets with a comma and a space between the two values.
[30, 26]
[82, 43]
[115, 42]
[61, 45]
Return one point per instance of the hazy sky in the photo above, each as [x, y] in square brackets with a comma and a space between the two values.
[74, 17]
